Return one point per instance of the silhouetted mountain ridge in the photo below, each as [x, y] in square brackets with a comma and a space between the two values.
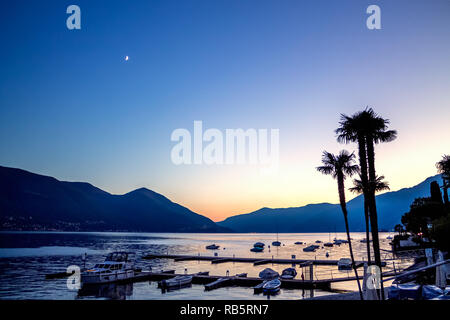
[32, 201]
[327, 217]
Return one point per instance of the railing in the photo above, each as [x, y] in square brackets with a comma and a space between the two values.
[333, 274]
[418, 270]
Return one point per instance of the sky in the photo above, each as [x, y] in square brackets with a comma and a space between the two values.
[73, 108]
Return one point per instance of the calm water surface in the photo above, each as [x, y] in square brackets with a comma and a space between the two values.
[25, 258]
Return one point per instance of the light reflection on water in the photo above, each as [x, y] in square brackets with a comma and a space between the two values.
[26, 257]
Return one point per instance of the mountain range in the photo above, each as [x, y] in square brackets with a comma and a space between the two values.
[30, 201]
[327, 217]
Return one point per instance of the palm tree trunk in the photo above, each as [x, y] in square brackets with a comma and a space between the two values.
[366, 216]
[364, 179]
[445, 187]
[373, 210]
[341, 190]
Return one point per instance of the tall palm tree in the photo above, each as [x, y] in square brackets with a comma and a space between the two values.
[443, 167]
[351, 129]
[376, 132]
[339, 167]
[358, 188]
[368, 129]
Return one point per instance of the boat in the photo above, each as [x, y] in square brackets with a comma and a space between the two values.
[212, 247]
[116, 267]
[176, 282]
[276, 243]
[389, 238]
[318, 241]
[328, 244]
[259, 244]
[327, 254]
[344, 264]
[298, 242]
[113, 291]
[339, 242]
[289, 273]
[272, 286]
[311, 248]
[268, 274]
[257, 249]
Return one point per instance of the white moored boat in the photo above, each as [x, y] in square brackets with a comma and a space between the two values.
[272, 286]
[116, 267]
[176, 282]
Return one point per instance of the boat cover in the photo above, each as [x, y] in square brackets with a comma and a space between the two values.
[434, 292]
[405, 291]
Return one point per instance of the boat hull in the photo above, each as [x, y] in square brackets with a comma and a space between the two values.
[176, 282]
[98, 278]
[272, 287]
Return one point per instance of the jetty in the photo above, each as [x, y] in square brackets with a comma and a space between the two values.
[310, 280]
[223, 282]
[212, 282]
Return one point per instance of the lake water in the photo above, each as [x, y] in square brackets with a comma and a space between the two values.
[25, 258]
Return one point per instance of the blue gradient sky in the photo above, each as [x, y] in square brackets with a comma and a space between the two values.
[72, 108]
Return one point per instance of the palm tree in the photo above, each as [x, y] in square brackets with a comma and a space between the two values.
[358, 188]
[379, 185]
[376, 132]
[368, 129]
[351, 129]
[339, 167]
[443, 167]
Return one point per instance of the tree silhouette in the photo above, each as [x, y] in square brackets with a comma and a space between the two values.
[380, 185]
[339, 167]
[443, 167]
[367, 129]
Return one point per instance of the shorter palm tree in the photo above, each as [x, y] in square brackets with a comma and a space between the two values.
[358, 188]
[339, 167]
[443, 167]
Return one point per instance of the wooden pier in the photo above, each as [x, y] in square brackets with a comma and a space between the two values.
[212, 282]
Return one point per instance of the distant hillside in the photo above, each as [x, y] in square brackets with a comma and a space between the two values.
[30, 201]
[326, 217]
